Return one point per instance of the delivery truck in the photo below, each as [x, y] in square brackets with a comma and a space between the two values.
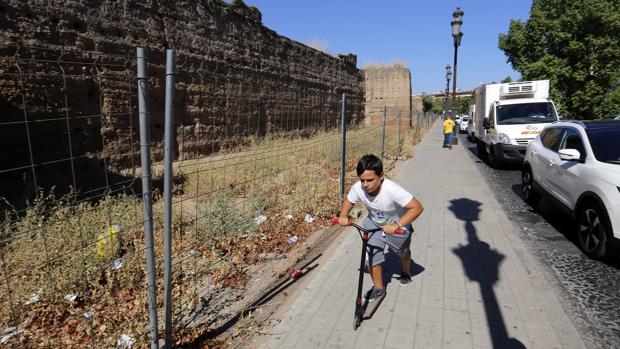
[508, 116]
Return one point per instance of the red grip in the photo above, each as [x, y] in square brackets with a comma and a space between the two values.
[335, 220]
[399, 231]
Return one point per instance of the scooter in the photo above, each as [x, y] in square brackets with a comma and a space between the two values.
[362, 311]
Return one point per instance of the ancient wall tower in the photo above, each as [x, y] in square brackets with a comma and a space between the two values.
[387, 87]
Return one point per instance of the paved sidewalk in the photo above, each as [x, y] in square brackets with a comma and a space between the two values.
[475, 285]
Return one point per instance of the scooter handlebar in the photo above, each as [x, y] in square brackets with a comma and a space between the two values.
[336, 220]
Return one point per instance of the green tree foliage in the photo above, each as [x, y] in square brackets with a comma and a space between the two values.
[573, 43]
[427, 103]
[507, 79]
[462, 104]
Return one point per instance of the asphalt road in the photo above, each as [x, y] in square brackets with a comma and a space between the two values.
[590, 289]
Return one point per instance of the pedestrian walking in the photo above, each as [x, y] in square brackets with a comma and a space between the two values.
[448, 127]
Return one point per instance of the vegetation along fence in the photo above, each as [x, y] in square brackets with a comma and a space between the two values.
[138, 196]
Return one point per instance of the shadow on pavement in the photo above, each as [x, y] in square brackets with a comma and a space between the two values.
[481, 264]
[391, 267]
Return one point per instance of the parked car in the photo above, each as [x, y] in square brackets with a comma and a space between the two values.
[463, 124]
[577, 164]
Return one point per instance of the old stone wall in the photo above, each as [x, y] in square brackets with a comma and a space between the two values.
[68, 84]
[390, 88]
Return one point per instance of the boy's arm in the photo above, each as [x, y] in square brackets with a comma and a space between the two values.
[343, 218]
[414, 209]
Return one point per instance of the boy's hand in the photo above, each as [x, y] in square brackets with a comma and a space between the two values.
[391, 228]
[344, 221]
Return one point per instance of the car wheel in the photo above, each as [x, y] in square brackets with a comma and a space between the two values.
[593, 230]
[530, 195]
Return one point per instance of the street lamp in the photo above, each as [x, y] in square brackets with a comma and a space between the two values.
[457, 21]
[445, 101]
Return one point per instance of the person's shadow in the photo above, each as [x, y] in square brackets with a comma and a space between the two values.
[391, 267]
[481, 264]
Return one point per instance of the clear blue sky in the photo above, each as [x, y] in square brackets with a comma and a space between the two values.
[414, 31]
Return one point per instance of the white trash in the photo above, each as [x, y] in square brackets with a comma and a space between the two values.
[35, 297]
[126, 342]
[260, 219]
[71, 297]
[308, 218]
[293, 239]
[117, 264]
[8, 333]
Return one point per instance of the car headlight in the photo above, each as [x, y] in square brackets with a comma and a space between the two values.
[503, 138]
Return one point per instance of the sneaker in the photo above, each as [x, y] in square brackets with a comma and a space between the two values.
[405, 279]
[374, 294]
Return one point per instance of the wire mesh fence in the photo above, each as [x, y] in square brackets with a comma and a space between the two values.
[256, 169]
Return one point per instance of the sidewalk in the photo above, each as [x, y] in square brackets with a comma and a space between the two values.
[475, 283]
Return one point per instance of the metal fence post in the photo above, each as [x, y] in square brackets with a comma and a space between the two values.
[398, 138]
[145, 141]
[343, 153]
[417, 123]
[383, 132]
[168, 145]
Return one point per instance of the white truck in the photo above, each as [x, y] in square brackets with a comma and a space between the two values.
[508, 116]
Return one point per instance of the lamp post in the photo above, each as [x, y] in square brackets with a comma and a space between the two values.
[445, 101]
[457, 21]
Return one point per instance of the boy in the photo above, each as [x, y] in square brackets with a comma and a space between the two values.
[390, 207]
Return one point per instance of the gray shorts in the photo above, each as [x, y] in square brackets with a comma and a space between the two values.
[399, 244]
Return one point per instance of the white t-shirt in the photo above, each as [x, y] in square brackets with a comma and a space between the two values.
[387, 206]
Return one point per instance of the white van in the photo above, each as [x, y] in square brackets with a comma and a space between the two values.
[510, 115]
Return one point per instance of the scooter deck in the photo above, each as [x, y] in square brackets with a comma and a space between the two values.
[371, 307]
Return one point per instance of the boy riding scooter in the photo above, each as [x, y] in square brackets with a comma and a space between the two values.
[390, 207]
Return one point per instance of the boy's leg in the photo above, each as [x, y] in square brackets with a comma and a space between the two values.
[375, 255]
[401, 245]
[377, 276]
[405, 263]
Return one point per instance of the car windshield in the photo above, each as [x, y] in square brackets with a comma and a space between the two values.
[465, 119]
[605, 142]
[526, 113]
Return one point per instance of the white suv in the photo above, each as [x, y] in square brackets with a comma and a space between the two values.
[578, 165]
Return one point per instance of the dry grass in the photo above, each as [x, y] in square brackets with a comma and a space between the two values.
[50, 251]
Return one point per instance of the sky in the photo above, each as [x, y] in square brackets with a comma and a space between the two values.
[415, 32]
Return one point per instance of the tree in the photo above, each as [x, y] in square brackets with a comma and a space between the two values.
[506, 79]
[427, 103]
[573, 43]
[463, 103]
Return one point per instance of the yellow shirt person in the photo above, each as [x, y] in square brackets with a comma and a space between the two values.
[448, 126]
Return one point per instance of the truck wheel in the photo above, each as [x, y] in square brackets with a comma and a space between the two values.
[593, 230]
[492, 159]
[530, 195]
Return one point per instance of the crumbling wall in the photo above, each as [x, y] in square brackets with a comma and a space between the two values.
[68, 85]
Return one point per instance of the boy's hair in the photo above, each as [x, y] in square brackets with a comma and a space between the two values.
[370, 162]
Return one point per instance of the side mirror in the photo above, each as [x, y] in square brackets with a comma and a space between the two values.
[486, 124]
[570, 155]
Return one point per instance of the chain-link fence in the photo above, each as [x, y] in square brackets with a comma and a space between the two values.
[256, 169]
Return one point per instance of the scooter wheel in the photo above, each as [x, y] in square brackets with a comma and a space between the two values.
[356, 322]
